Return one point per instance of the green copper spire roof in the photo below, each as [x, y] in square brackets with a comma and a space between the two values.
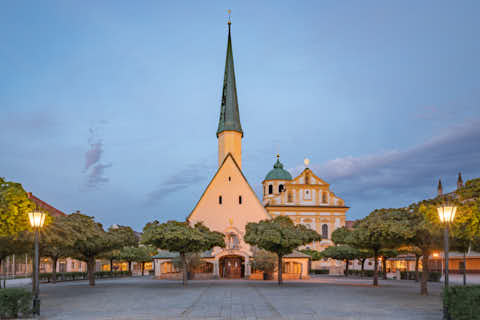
[229, 114]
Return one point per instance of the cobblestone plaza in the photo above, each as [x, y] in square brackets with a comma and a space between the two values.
[318, 298]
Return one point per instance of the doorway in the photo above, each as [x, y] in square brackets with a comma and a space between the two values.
[232, 267]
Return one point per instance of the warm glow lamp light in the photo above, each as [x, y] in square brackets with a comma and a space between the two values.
[37, 218]
[446, 214]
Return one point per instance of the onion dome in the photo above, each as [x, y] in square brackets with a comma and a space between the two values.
[278, 173]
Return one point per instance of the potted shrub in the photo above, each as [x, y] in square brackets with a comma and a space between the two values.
[264, 261]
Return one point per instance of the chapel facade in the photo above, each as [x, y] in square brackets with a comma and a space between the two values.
[229, 202]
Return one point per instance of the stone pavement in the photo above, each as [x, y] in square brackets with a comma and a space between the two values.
[319, 298]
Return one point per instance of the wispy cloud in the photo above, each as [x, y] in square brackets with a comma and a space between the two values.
[407, 171]
[94, 169]
[193, 174]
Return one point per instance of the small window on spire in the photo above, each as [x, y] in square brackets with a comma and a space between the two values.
[219, 199]
[270, 189]
[239, 199]
[229, 179]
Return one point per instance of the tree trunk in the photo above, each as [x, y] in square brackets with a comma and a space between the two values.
[130, 267]
[54, 270]
[384, 268]
[91, 271]
[375, 268]
[346, 268]
[417, 262]
[363, 267]
[143, 268]
[1, 273]
[464, 268]
[425, 273]
[280, 270]
[111, 265]
[184, 267]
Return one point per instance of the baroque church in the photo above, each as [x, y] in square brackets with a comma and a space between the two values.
[229, 203]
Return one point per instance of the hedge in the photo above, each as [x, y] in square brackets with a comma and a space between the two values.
[410, 275]
[366, 273]
[15, 303]
[72, 276]
[320, 271]
[462, 302]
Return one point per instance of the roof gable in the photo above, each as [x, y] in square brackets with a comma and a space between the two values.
[318, 180]
[230, 212]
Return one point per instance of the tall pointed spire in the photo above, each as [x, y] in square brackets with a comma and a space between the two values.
[459, 181]
[229, 114]
[439, 188]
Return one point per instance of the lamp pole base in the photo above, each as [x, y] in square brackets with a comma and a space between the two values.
[36, 306]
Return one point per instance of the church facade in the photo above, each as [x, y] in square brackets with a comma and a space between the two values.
[229, 202]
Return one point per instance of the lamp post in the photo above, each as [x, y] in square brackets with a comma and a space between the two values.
[446, 214]
[37, 219]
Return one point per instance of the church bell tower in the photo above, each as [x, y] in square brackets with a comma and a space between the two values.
[229, 131]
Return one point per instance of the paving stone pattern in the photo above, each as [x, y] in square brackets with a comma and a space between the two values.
[319, 298]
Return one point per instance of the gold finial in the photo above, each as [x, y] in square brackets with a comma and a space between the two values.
[278, 155]
[229, 12]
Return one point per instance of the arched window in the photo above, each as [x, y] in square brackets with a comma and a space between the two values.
[239, 199]
[325, 231]
[219, 199]
[307, 179]
[324, 197]
[280, 188]
[289, 197]
[270, 189]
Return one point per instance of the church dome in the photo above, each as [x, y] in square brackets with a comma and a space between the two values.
[278, 173]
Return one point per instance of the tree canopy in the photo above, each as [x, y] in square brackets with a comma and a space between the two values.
[90, 241]
[341, 252]
[279, 235]
[382, 229]
[182, 238]
[14, 208]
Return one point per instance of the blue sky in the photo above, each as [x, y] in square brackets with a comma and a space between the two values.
[111, 107]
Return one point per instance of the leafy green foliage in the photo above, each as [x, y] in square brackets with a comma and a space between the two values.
[15, 302]
[341, 252]
[462, 302]
[314, 254]
[14, 208]
[471, 190]
[264, 260]
[382, 229]
[182, 238]
[342, 236]
[90, 240]
[279, 235]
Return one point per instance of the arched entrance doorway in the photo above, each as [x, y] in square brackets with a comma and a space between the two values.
[232, 267]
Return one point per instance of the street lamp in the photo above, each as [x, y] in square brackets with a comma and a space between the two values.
[37, 219]
[446, 214]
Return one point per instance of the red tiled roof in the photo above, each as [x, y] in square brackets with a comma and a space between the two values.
[54, 212]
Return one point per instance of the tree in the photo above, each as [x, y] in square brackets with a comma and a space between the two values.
[279, 235]
[466, 226]
[14, 244]
[56, 242]
[424, 224]
[387, 254]
[123, 236]
[341, 252]
[342, 235]
[264, 260]
[362, 256]
[381, 229]
[14, 208]
[144, 255]
[314, 254]
[90, 242]
[182, 238]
